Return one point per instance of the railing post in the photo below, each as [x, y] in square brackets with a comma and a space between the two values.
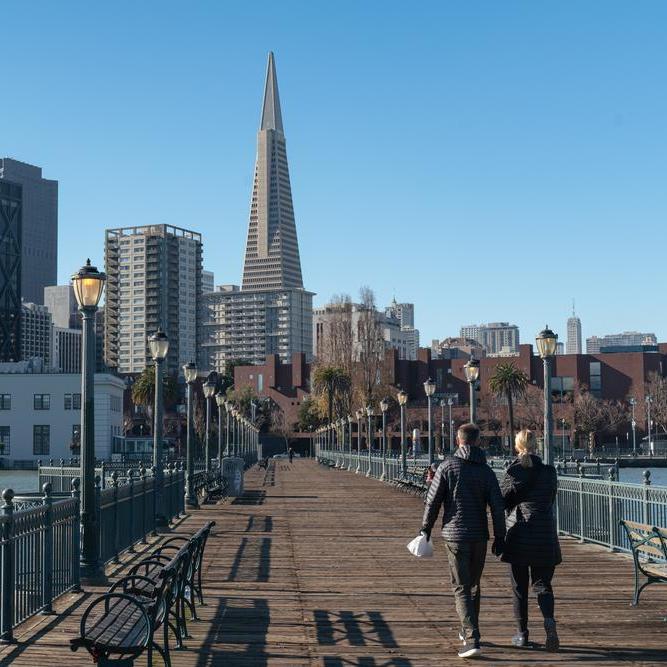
[647, 483]
[47, 552]
[130, 482]
[144, 494]
[7, 557]
[612, 520]
[76, 537]
[581, 510]
[116, 536]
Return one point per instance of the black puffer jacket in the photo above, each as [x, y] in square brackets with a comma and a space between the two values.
[464, 485]
[529, 495]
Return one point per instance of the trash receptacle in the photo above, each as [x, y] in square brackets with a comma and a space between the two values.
[232, 473]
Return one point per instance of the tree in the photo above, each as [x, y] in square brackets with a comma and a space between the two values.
[310, 416]
[588, 415]
[656, 388]
[529, 410]
[509, 382]
[338, 348]
[370, 345]
[143, 390]
[334, 384]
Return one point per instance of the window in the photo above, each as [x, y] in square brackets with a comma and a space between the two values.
[41, 437]
[42, 402]
[595, 373]
[5, 401]
[4, 441]
[72, 401]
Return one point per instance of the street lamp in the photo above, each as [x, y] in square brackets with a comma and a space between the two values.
[384, 406]
[369, 437]
[88, 284]
[359, 414]
[649, 423]
[350, 421]
[442, 425]
[634, 427]
[190, 373]
[562, 424]
[158, 344]
[450, 402]
[220, 402]
[546, 346]
[209, 393]
[403, 401]
[429, 389]
[471, 371]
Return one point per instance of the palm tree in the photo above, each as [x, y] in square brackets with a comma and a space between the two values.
[143, 390]
[509, 382]
[333, 382]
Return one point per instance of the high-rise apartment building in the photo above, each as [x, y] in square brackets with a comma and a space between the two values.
[11, 206]
[499, 339]
[594, 344]
[36, 332]
[403, 312]
[62, 305]
[271, 313]
[207, 282]
[153, 280]
[39, 236]
[573, 345]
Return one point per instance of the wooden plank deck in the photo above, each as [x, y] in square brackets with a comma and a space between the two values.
[310, 568]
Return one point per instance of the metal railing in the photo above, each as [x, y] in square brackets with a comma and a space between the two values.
[587, 509]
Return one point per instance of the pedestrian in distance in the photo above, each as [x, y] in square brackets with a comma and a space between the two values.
[290, 453]
[531, 544]
[464, 486]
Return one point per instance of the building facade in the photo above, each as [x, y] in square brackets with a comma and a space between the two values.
[573, 345]
[36, 332]
[40, 415]
[66, 350]
[499, 339]
[11, 221]
[39, 238]
[456, 348]
[62, 305]
[153, 280]
[207, 282]
[271, 314]
[594, 344]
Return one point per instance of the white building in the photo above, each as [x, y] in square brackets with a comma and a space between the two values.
[499, 339]
[573, 345]
[625, 339]
[40, 415]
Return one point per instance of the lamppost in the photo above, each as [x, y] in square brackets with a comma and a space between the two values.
[442, 425]
[384, 406]
[429, 389]
[350, 421]
[634, 427]
[450, 402]
[209, 393]
[220, 402]
[228, 411]
[88, 284]
[403, 401]
[649, 400]
[471, 370]
[562, 424]
[369, 437]
[546, 346]
[359, 414]
[190, 373]
[159, 346]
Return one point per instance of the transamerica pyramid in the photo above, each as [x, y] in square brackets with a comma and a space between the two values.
[272, 249]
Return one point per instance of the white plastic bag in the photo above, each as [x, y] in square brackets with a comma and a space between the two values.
[421, 547]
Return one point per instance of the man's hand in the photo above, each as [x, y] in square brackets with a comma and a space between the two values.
[426, 533]
[498, 547]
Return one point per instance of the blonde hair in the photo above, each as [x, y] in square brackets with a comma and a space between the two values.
[525, 444]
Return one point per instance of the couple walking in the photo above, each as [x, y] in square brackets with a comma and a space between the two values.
[524, 528]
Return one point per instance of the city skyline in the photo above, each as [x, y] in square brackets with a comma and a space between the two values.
[579, 167]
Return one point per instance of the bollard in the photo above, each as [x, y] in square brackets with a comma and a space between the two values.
[116, 537]
[144, 528]
[76, 537]
[7, 562]
[647, 483]
[47, 554]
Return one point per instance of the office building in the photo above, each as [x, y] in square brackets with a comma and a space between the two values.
[499, 339]
[39, 234]
[153, 280]
[573, 345]
[11, 214]
[403, 312]
[271, 314]
[207, 282]
[36, 332]
[456, 348]
[626, 339]
[62, 305]
[40, 414]
[66, 350]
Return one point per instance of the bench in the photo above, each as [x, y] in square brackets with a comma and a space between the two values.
[649, 553]
[120, 625]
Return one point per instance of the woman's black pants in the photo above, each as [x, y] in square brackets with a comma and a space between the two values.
[540, 577]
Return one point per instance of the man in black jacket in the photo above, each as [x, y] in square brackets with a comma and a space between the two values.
[464, 485]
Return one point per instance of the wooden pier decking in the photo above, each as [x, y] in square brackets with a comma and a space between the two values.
[310, 568]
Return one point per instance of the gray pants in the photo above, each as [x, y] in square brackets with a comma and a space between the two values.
[466, 562]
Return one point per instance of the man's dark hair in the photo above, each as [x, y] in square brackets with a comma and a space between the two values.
[469, 434]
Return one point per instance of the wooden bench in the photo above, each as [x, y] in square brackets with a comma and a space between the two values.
[649, 552]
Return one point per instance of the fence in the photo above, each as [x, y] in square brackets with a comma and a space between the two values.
[587, 509]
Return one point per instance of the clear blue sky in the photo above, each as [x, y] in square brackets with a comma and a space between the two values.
[486, 160]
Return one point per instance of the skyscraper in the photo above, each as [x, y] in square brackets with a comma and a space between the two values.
[272, 313]
[39, 242]
[11, 200]
[573, 334]
[272, 250]
[62, 305]
[153, 280]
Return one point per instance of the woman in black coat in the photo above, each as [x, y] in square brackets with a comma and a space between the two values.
[531, 545]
